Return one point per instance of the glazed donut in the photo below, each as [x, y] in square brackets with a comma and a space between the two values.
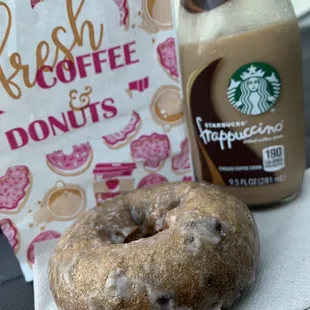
[185, 246]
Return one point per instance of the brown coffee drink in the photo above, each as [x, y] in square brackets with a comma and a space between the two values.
[242, 82]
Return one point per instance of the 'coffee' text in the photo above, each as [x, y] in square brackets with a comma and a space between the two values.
[66, 71]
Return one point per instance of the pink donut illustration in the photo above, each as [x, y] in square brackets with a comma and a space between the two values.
[124, 12]
[15, 186]
[152, 179]
[123, 137]
[153, 150]
[167, 55]
[181, 162]
[72, 164]
[11, 232]
[44, 236]
[188, 179]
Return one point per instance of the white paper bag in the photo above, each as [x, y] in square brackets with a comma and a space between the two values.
[91, 106]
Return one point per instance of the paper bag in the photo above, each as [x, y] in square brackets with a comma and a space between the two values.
[90, 107]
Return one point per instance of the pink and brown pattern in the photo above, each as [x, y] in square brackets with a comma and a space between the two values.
[167, 54]
[153, 150]
[11, 232]
[15, 186]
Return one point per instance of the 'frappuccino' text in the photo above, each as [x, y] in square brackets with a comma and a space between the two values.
[226, 138]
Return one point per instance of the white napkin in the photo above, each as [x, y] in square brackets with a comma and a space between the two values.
[301, 7]
[283, 281]
[43, 299]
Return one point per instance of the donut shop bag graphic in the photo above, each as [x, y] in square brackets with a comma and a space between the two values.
[90, 107]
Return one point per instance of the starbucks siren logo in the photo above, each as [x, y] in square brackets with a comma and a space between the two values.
[254, 88]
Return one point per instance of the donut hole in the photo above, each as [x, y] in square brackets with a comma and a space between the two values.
[218, 227]
[163, 301]
[209, 280]
[125, 235]
[144, 223]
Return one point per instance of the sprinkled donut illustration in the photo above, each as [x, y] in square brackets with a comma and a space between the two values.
[188, 179]
[181, 162]
[167, 56]
[152, 179]
[11, 232]
[73, 164]
[124, 136]
[15, 187]
[44, 236]
[153, 150]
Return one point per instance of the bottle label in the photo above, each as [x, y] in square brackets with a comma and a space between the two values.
[244, 108]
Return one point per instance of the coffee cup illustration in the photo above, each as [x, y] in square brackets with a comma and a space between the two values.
[156, 15]
[111, 179]
[63, 202]
[166, 107]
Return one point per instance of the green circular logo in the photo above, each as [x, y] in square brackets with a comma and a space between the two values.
[254, 89]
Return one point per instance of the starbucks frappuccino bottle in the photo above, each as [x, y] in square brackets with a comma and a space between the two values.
[242, 83]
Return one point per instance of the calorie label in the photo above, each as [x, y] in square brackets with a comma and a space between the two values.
[274, 158]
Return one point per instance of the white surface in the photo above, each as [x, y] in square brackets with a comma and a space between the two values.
[283, 281]
[301, 7]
